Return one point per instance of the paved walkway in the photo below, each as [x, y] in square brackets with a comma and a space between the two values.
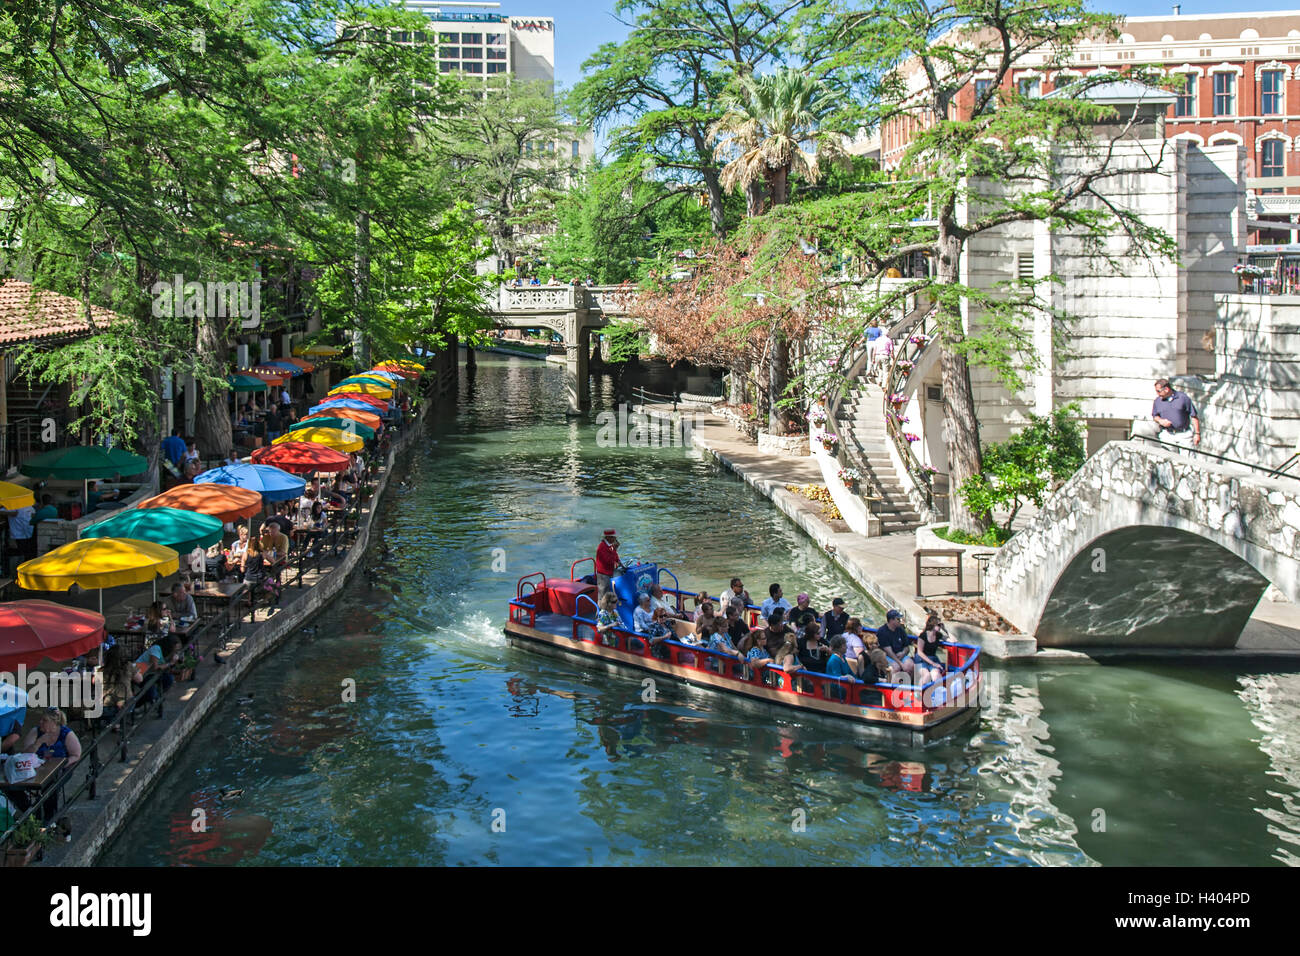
[884, 566]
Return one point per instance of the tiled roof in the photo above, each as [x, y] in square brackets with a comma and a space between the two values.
[28, 313]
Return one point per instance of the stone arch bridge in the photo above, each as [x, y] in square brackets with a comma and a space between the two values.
[574, 311]
[1147, 547]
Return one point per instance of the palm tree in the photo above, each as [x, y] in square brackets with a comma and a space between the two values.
[766, 121]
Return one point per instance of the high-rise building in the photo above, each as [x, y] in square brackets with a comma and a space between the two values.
[473, 38]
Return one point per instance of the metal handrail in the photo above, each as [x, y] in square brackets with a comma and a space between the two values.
[896, 384]
[1264, 469]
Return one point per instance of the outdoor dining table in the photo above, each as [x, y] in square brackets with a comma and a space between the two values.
[223, 595]
[46, 775]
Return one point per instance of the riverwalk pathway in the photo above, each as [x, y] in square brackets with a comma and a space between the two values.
[884, 566]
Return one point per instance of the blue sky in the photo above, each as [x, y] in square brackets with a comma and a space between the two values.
[583, 25]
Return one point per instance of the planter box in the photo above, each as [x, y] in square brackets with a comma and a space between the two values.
[23, 856]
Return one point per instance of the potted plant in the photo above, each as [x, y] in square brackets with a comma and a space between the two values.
[830, 440]
[817, 416]
[850, 476]
[27, 842]
[188, 662]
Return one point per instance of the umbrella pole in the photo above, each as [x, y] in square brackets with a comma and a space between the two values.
[101, 601]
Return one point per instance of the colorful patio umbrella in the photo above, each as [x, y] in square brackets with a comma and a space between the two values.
[223, 502]
[301, 457]
[83, 462]
[386, 376]
[182, 531]
[325, 350]
[329, 406]
[300, 363]
[269, 376]
[273, 484]
[380, 405]
[365, 379]
[342, 424]
[98, 563]
[33, 630]
[329, 437]
[403, 366]
[293, 370]
[362, 388]
[246, 383]
[367, 418]
[13, 497]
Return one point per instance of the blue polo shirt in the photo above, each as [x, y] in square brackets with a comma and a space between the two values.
[173, 447]
[892, 640]
[1178, 408]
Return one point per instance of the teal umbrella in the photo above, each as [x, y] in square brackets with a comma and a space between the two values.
[82, 462]
[246, 383]
[181, 531]
[343, 424]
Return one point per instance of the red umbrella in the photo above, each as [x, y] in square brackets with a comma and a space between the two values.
[357, 396]
[301, 457]
[31, 631]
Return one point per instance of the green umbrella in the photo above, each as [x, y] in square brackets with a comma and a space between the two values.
[367, 379]
[246, 383]
[364, 432]
[81, 462]
[181, 531]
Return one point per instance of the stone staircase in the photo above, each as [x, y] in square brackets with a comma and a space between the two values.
[861, 426]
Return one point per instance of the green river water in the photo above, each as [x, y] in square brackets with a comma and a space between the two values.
[461, 749]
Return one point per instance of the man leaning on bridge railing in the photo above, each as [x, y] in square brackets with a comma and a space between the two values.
[1175, 415]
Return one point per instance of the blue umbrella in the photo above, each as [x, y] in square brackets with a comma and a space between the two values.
[391, 376]
[351, 403]
[273, 484]
[13, 708]
[287, 366]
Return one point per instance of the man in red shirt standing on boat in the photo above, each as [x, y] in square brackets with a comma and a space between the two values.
[607, 561]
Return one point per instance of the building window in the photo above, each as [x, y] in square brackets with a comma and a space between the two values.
[1272, 161]
[471, 38]
[1029, 88]
[982, 88]
[447, 67]
[448, 37]
[496, 39]
[1225, 94]
[449, 52]
[471, 53]
[1270, 93]
[1186, 105]
[576, 147]
[496, 54]
[471, 67]
[495, 67]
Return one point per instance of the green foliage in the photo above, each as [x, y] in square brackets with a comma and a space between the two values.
[627, 340]
[994, 537]
[1027, 466]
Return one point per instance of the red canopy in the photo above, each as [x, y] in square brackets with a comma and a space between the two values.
[301, 457]
[31, 631]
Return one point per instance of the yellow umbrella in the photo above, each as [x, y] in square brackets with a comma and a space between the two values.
[13, 497]
[326, 350]
[335, 438]
[98, 563]
[363, 388]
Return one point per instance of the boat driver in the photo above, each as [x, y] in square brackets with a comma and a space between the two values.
[607, 561]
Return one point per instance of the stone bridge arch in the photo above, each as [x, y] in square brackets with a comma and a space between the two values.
[1147, 547]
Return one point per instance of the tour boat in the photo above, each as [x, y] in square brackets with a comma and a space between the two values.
[559, 615]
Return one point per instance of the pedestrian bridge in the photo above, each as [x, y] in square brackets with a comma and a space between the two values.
[573, 311]
[1147, 547]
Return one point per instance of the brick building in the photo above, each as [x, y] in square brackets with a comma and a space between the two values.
[1242, 87]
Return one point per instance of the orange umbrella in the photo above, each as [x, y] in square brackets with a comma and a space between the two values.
[227, 502]
[363, 418]
[270, 378]
[301, 363]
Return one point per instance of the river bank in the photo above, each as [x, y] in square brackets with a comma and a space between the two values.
[122, 786]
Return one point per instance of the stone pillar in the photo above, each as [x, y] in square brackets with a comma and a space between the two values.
[191, 404]
[576, 375]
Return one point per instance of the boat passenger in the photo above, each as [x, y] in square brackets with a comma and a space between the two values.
[705, 619]
[856, 641]
[928, 651]
[643, 616]
[700, 600]
[894, 642]
[774, 601]
[812, 652]
[880, 669]
[659, 631]
[606, 616]
[736, 592]
[836, 664]
[756, 654]
[657, 601]
[787, 657]
[836, 619]
[720, 641]
[735, 622]
[803, 613]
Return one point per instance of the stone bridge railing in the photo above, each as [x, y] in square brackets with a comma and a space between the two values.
[550, 299]
[1145, 546]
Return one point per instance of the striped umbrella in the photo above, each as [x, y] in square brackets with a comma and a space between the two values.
[342, 424]
[329, 437]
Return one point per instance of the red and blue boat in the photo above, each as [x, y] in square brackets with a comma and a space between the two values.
[558, 615]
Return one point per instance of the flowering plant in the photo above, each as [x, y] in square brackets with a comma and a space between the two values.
[910, 437]
[903, 366]
[929, 470]
[830, 440]
[896, 399]
[190, 658]
[901, 419]
[817, 415]
[921, 340]
[1248, 271]
[849, 475]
